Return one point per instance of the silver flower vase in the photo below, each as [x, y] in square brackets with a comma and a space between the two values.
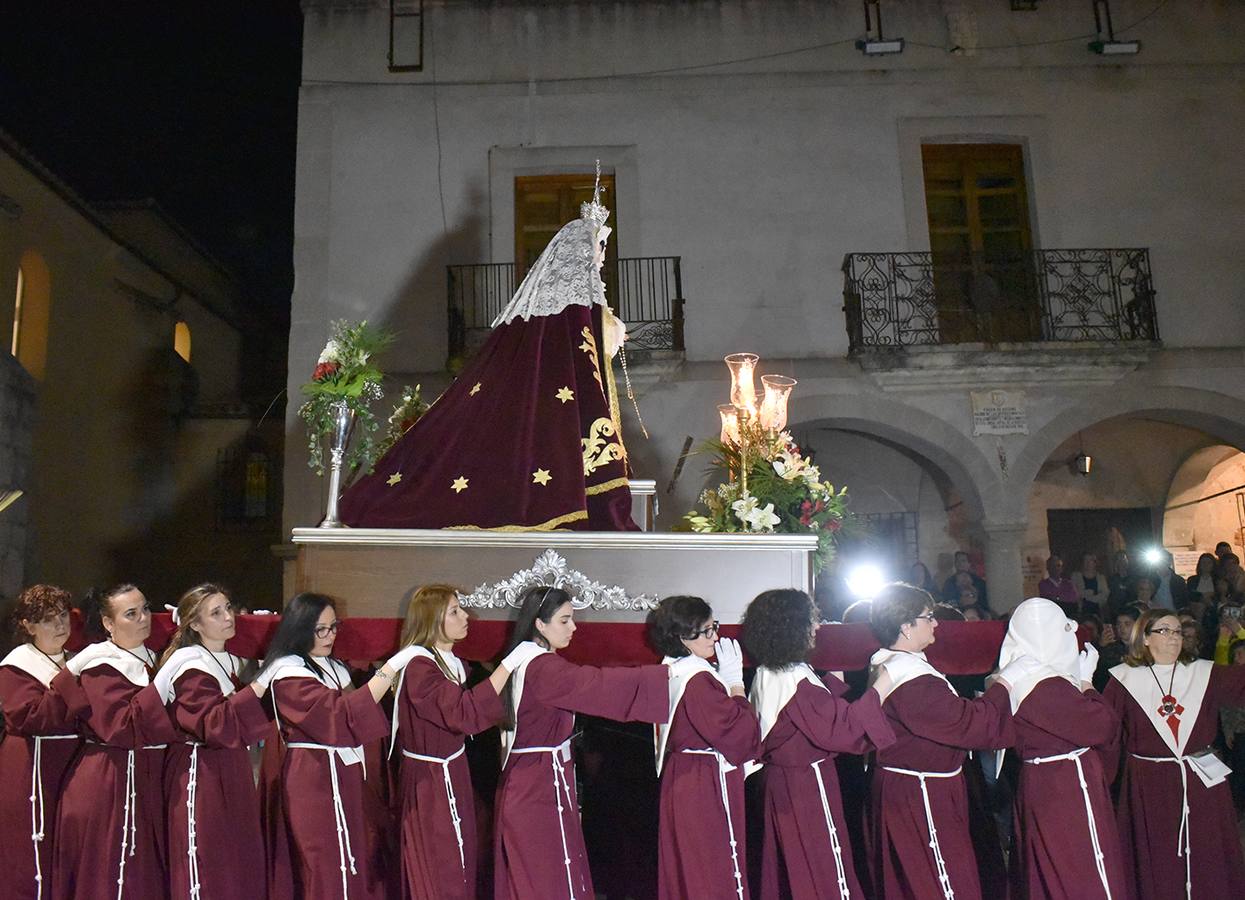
[343, 421]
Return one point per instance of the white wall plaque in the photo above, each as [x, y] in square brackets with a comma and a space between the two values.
[999, 412]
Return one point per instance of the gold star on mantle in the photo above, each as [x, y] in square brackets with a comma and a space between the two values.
[459, 485]
[565, 394]
[541, 477]
[394, 479]
[475, 390]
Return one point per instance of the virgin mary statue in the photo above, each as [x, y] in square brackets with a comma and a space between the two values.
[527, 438]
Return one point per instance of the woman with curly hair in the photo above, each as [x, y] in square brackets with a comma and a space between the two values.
[711, 732]
[806, 722]
[921, 843]
[40, 739]
[1177, 822]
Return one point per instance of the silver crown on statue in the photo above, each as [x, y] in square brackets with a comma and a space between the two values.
[595, 212]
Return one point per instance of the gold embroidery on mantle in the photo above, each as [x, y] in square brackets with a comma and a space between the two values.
[589, 346]
[598, 449]
[606, 486]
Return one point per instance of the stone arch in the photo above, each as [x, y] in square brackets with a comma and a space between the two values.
[1219, 415]
[1193, 484]
[965, 465]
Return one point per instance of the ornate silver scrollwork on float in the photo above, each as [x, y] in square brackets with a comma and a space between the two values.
[551, 570]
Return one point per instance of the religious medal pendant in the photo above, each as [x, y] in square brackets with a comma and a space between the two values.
[1168, 705]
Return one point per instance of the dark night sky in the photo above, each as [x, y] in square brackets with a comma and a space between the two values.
[192, 103]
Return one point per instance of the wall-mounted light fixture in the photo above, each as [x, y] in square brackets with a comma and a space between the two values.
[874, 43]
[1084, 462]
[1106, 44]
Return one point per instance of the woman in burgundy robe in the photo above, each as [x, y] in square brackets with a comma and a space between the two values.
[110, 830]
[40, 740]
[538, 844]
[712, 732]
[216, 849]
[1176, 819]
[1066, 843]
[805, 723]
[921, 844]
[434, 714]
[330, 845]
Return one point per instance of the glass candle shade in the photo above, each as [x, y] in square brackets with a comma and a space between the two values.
[730, 424]
[743, 388]
[774, 404]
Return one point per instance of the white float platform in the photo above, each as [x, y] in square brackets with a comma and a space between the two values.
[619, 574]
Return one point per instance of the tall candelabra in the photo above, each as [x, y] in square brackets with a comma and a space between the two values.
[743, 417]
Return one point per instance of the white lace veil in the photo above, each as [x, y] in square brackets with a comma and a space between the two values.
[567, 273]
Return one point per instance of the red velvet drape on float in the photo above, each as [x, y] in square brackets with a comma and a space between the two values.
[527, 438]
[962, 648]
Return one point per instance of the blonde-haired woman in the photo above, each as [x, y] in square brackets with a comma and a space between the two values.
[435, 712]
[215, 844]
[1177, 822]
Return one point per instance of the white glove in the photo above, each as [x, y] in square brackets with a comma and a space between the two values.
[164, 683]
[89, 654]
[730, 661]
[527, 650]
[398, 661]
[265, 676]
[1018, 670]
[1089, 662]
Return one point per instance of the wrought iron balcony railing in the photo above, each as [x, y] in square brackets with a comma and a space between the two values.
[645, 292]
[904, 299]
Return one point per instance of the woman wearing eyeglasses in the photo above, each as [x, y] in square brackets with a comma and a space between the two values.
[316, 821]
[1176, 818]
[921, 842]
[538, 844]
[435, 712]
[806, 722]
[712, 732]
[1067, 845]
[213, 818]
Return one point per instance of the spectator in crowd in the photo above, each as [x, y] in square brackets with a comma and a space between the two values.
[951, 589]
[1092, 625]
[1091, 586]
[1191, 634]
[1144, 587]
[1230, 570]
[970, 604]
[1232, 720]
[1172, 592]
[1202, 582]
[1120, 582]
[1222, 549]
[1058, 587]
[1114, 643]
[920, 576]
[1231, 632]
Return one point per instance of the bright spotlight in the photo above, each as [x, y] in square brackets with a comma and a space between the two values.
[865, 581]
[1153, 556]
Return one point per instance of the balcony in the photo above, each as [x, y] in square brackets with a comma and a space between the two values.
[898, 300]
[645, 292]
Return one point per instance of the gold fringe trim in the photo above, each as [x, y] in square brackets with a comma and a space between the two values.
[607, 486]
[543, 526]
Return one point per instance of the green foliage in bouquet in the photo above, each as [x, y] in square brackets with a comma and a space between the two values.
[346, 372]
[784, 492]
[409, 410]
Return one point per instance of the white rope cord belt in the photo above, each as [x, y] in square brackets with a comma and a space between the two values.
[1099, 857]
[444, 763]
[192, 844]
[1183, 847]
[723, 768]
[944, 877]
[36, 802]
[840, 870]
[560, 785]
[345, 852]
[129, 817]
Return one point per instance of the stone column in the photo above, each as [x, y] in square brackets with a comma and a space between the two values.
[1004, 575]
